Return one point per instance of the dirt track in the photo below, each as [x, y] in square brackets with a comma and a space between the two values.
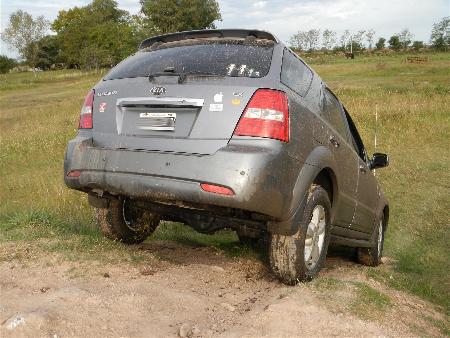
[192, 291]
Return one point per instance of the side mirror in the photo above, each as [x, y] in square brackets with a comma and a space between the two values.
[379, 161]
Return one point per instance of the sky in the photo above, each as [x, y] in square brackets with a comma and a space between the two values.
[283, 17]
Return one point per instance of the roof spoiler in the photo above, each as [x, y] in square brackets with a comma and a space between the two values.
[209, 33]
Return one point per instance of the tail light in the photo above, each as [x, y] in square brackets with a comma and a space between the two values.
[86, 111]
[266, 115]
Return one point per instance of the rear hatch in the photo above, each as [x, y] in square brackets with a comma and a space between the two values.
[182, 97]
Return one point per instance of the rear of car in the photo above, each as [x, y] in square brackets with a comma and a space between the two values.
[226, 129]
[192, 123]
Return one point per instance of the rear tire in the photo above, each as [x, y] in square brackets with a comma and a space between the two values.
[300, 257]
[124, 222]
[372, 256]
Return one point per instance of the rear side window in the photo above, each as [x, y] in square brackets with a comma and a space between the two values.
[355, 138]
[332, 112]
[233, 58]
[295, 74]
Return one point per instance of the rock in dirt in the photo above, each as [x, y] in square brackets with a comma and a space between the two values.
[106, 275]
[14, 322]
[147, 272]
[228, 307]
[216, 268]
[196, 332]
[30, 321]
[185, 330]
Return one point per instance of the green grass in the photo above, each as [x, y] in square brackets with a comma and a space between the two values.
[368, 302]
[357, 297]
[39, 114]
[413, 105]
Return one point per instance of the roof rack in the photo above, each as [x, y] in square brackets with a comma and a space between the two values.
[208, 33]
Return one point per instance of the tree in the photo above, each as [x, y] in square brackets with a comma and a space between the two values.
[394, 43]
[440, 35]
[168, 16]
[48, 51]
[312, 39]
[405, 37]
[380, 43]
[418, 45]
[357, 41]
[299, 40]
[23, 33]
[344, 40]
[6, 64]
[95, 43]
[369, 37]
[328, 39]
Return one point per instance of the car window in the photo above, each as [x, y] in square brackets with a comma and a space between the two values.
[332, 112]
[234, 58]
[355, 138]
[295, 74]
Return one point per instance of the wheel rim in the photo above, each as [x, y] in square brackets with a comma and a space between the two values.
[315, 237]
[380, 238]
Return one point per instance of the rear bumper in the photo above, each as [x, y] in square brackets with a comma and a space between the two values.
[259, 172]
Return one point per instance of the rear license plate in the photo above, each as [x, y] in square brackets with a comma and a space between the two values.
[157, 121]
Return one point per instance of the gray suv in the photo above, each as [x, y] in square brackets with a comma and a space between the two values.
[228, 129]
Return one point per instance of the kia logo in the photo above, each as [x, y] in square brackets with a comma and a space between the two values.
[158, 90]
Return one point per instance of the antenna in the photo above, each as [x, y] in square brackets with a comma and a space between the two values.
[351, 44]
[376, 127]
[376, 131]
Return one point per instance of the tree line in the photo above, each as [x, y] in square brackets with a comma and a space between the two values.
[100, 34]
[328, 40]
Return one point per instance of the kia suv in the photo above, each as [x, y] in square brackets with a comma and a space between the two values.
[228, 129]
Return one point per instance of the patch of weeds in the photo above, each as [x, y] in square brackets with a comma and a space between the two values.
[369, 303]
[35, 224]
[327, 283]
[443, 326]
[46, 232]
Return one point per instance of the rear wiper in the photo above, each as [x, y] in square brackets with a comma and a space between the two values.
[181, 76]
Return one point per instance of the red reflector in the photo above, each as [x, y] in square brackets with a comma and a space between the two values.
[266, 115]
[73, 173]
[217, 189]
[86, 111]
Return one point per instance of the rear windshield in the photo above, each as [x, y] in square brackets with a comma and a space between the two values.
[233, 58]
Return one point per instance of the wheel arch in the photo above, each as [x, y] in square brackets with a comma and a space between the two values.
[317, 168]
[326, 178]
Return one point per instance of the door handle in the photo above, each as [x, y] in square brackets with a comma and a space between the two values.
[362, 169]
[334, 142]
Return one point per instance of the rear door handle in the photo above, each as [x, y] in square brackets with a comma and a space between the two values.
[334, 142]
[362, 168]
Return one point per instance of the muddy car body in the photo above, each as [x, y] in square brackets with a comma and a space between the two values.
[228, 129]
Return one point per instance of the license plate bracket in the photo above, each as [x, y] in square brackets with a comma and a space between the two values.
[157, 121]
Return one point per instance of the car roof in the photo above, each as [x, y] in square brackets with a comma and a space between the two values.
[208, 33]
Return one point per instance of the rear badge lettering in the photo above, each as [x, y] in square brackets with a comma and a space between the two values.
[216, 107]
[238, 94]
[236, 102]
[107, 93]
[102, 107]
[158, 90]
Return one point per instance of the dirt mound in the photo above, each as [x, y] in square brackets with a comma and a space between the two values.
[193, 292]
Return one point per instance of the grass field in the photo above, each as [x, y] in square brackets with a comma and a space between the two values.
[39, 114]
